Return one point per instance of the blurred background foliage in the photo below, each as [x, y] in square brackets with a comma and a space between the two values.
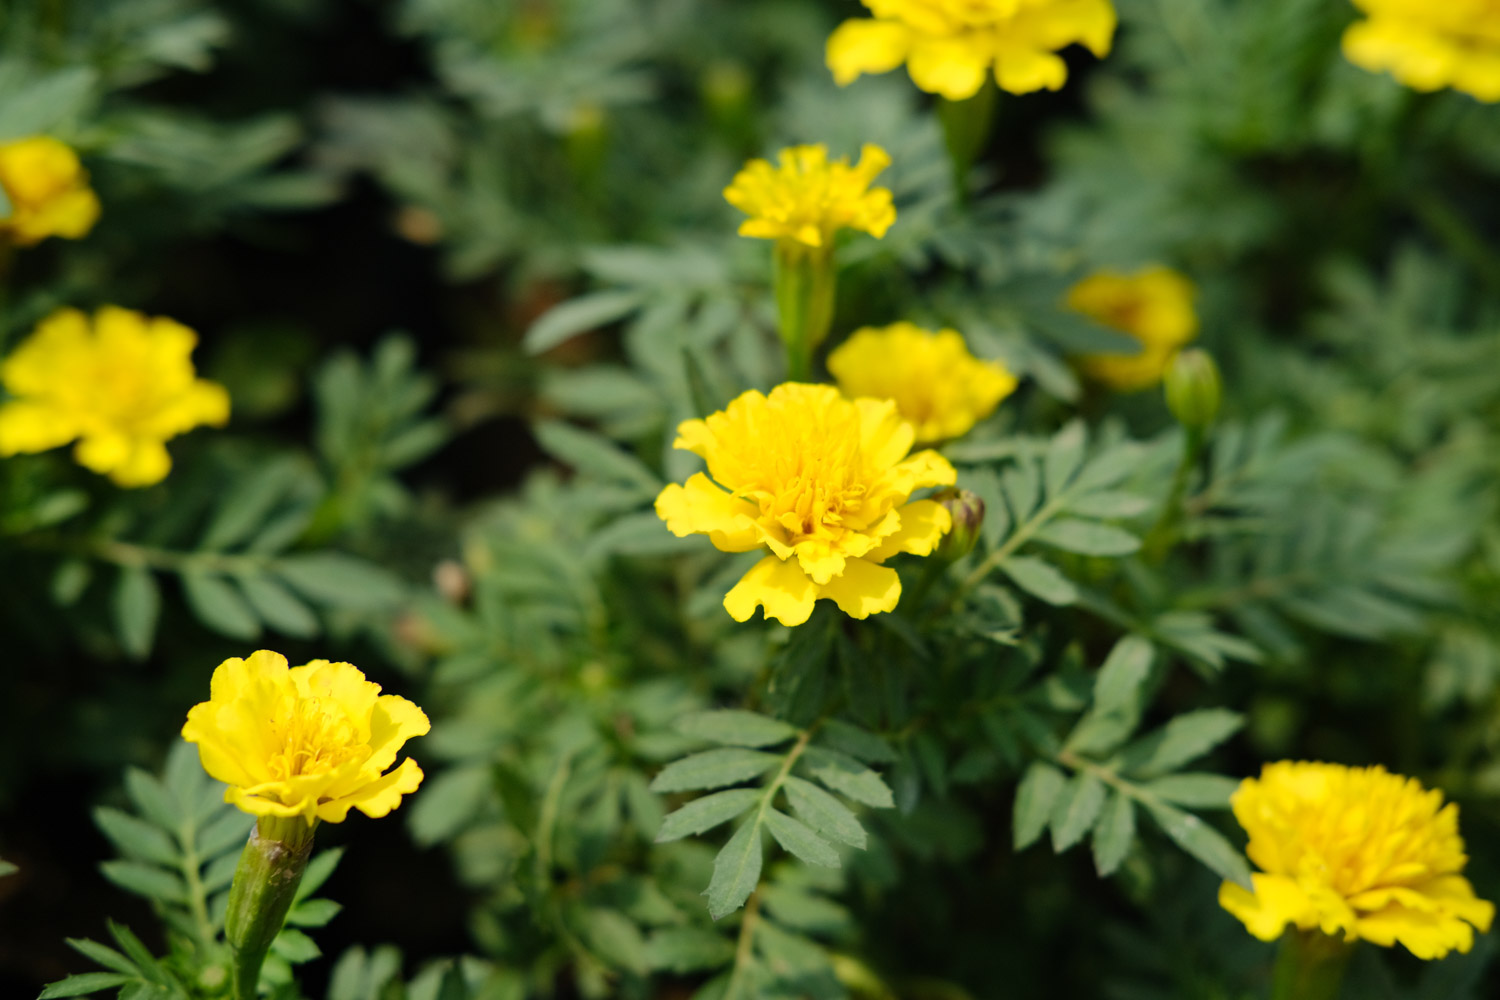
[463, 265]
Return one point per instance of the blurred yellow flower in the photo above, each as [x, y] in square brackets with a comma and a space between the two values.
[1155, 306]
[937, 385]
[310, 741]
[821, 482]
[949, 45]
[121, 385]
[1356, 851]
[47, 189]
[807, 199]
[1430, 44]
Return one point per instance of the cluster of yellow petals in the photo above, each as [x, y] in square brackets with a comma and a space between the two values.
[1357, 852]
[823, 484]
[1155, 306]
[949, 46]
[937, 385]
[47, 189]
[807, 199]
[310, 741]
[121, 385]
[1430, 44]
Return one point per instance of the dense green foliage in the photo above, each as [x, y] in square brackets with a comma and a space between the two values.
[632, 795]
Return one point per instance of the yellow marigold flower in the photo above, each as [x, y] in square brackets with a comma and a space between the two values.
[47, 189]
[936, 383]
[821, 482]
[121, 385]
[308, 741]
[949, 45]
[1430, 44]
[807, 199]
[1154, 306]
[1356, 851]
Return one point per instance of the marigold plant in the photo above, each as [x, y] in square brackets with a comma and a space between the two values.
[937, 385]
[1357, 852]
[950, 46]
[312, 741]
[47, 189]
[1429, 46]
[121, 384]
[1154, 306]
[824, 484]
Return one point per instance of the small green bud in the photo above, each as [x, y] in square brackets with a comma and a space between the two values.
[1193, 388]
[968, 515]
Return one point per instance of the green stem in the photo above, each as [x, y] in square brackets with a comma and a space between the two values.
[805, 289]
[1310, 966]
[744, 947]
[265, 884]
[1164, 532]
[966, 127]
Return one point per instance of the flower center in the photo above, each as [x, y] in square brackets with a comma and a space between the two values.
[314, 737]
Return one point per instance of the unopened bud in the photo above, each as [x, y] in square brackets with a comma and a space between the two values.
[1193, 388]
[967, 511]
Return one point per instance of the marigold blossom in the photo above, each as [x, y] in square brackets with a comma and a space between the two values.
[121, 385]
[1430, 44]
[821, 482]
[807, 199]
[937, 385]
[1356, 851]
[1155, 306]
[47, 189]
[310, 741]
[949, 46]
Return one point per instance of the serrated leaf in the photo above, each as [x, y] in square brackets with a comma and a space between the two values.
[735, 728]
[1184, 739]
[278, 607]
[136, 606]
[152, 798]
[247, 505]
[341, 581]
[1196, 791]
[218, 605]
[231, 828]
[799, 839]
[616, 938]
[104, 955]
[1063, 457]
[1036, 795]
[687, 949]
[1089, 538]
[1075, 811]
[588, 312]
[1202, 842]
[856, 742]
[1118, 684]
[707, 813]
[824, 813]
[1022, 488]
[1040, 580]
[318, 870]
[294, 946]
[594, 456]
[313, 913]
[135, 837]
[1113, 834]
[145, 880]
[736, 871]
[713, 769]
[1109, 504]
[847, 776]
[83, 984]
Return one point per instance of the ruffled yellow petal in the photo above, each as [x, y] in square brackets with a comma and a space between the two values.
[863, 45]
[47, 189]
[377, 798]
[923, 525]
[863, 589]
[1020, 69]
[953, 67]
[779, 586]
[807, 198]
[26, 428]
[700, 507]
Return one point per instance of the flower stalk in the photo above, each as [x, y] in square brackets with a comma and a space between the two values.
[265, 885]
[966, 129]
[805, 283]
[1310, 965]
